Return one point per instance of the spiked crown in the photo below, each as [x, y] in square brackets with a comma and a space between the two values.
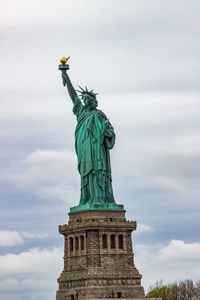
[83, 92]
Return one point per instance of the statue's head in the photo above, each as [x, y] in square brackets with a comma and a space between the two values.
[89, 98]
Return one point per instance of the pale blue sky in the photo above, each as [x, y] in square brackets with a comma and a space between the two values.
[142, 57]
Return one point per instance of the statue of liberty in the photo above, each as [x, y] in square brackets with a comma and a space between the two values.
[94, 138]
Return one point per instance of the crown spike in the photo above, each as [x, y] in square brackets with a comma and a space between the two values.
[86, 91]
[81, 88]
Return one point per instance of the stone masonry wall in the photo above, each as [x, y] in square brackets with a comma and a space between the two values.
[98, 257]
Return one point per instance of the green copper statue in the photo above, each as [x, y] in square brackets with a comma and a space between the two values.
[94, 137]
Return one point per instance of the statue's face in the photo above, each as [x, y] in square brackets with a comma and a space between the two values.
[87, 99]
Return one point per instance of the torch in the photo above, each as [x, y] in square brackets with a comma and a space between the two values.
[63, 67]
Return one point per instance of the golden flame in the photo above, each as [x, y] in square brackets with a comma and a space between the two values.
[63, 60]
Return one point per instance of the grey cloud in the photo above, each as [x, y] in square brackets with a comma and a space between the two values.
[152, 47]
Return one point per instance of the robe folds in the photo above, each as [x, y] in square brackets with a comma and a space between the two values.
[94, 137]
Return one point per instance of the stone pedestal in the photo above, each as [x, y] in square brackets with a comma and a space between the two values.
[98, 257]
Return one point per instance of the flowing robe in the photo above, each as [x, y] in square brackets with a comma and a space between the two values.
[94, 137]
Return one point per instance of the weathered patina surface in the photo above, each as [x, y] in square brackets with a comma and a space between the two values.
[94, 138]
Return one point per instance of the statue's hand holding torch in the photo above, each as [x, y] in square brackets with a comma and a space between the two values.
[63, 67]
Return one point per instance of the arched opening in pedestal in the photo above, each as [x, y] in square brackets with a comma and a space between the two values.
[72, 297]
[119, 294]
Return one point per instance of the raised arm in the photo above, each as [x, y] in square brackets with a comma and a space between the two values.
[67, 81]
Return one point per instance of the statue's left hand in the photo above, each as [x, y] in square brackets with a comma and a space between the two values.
[106, 130]
[108, 133]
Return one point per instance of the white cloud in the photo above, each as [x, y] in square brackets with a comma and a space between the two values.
[30, 235]
[52, 174]
[32, 273]
[31, 263]
[143, 228]
[176, 261]
[179, 251]
[49, 166]
[10, 238]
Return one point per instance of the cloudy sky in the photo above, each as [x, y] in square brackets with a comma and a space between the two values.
[142, 57]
